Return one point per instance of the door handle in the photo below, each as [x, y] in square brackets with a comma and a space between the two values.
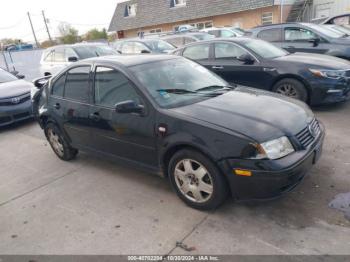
[217, 67]
[95, 116]
[57, 106]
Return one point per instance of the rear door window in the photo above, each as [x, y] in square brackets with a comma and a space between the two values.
[298, 34]
[228, 51]
[77, 84]
[271, 35]
[197, 52]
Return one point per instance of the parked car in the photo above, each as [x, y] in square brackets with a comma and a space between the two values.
[312, 78]
[143, 46]
[178, 40]
[172, 116]
[305, 37]
[55, 58]
[15, 104]
[224, 32]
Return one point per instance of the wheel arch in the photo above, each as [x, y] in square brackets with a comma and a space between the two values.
[295, 77]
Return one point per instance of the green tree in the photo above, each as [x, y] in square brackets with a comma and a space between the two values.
[95, 34]
[69, 35]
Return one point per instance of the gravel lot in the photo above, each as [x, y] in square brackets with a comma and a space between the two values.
[93, 206]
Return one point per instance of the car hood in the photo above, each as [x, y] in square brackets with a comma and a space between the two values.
[318, 61]
[14, 88]
[259, 115]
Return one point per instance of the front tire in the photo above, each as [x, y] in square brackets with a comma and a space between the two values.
[59, 143]
[196, 180]
[291, 88]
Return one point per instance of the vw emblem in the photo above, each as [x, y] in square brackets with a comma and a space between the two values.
[15, 100]
[312, 131]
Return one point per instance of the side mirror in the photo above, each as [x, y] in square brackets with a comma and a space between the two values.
[315, 41]
[47, 74]
[73, 59]
[20, 76]
[40, 82]
[246, 58]
[145, 52]
[127, 107]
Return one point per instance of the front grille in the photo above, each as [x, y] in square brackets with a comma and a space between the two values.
[309, 134]
[15, 100]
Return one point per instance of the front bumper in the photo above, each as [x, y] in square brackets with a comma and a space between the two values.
[15, 113]
[271, 178]
[329, 91]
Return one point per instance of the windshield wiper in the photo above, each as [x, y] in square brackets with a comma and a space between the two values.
[177, 91]
[214, 88]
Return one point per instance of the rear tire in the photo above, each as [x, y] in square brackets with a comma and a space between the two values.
[196, 180]
[59, 143]
[291, 88]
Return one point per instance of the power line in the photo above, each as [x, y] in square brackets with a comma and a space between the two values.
[78, 24]
[14, 25]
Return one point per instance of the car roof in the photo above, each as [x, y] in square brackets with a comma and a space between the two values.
[131, 60]
[233, 40]
[77, 44]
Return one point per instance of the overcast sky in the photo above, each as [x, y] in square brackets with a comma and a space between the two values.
[81, 14]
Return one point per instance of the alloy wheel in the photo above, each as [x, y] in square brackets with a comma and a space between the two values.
[55, 142]
[287, 90]
[193, 180]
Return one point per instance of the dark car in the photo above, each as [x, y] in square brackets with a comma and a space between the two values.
[315, 79]
[15, 104]
[172, 116]
[143, 46]
[305, 37]
[178, 40]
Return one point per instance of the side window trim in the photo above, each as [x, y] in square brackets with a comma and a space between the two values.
[89, 85]
[54, 82]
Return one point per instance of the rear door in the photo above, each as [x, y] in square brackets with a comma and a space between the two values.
[272, 35]
[297, 39]
[75, 105]
[127, 136]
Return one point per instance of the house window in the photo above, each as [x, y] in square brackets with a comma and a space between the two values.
[157, 30]
[177, 3]
[267, 18]
[200, 25]
[130, 10]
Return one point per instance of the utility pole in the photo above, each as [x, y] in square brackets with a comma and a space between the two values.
[31, 25]
[47, 28]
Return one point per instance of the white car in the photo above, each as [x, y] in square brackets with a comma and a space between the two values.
[54, 59]
[223, 32]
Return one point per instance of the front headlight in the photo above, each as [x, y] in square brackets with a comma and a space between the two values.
[333, 74]
[277, 148]
[273, 149]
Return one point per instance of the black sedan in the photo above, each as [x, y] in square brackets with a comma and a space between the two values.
[312, 78]
[15, 103]
[172, 116]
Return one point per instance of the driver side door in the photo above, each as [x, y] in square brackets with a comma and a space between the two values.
[128, 136]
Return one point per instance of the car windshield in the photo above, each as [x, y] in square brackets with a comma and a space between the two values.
[159, 45]
[326, 31]
[265, 49]
[179, 82]
[338, 28]
[6, 76]
[203, 36]
[93, 51]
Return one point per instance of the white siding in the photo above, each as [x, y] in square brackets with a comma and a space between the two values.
[330, 7]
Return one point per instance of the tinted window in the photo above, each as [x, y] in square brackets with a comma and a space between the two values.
[197, 52]
[93, 51]
[265, 49]
[58, 86]
[227, 33]
[228, 51]
[177, 41]
[271, 35]
[112, 87]
[77, 84]
[298, 34]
